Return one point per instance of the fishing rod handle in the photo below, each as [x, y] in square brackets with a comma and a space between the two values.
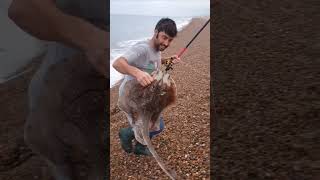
[181, 52]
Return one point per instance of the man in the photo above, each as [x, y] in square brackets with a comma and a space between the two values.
[139, 62]
[72, 27]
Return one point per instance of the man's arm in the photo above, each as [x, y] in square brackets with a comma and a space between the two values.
[42, 19]
[121, 65]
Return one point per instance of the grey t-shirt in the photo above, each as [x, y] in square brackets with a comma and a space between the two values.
[142, 56]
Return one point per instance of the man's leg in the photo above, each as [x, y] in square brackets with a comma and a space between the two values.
[141, 149]
[126, 136]
[155, 133]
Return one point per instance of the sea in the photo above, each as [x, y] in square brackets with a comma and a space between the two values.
[127, 30]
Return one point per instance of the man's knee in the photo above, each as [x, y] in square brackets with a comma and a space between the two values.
[154, 133]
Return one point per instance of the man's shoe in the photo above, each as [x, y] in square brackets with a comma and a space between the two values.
[126, 136]
[141, 149]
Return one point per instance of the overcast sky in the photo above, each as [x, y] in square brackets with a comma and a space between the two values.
[161, 7]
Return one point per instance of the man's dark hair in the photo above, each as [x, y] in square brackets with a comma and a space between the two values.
[168, 26]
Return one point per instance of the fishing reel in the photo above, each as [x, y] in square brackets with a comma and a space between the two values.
[169, 63]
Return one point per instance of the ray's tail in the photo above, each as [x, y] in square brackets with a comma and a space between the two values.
[145, 134]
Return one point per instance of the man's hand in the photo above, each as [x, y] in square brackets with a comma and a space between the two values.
[122, 66]
[144, 78]
[176, 59]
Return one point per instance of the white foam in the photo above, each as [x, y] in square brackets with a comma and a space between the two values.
[182, 23]
[115, 77]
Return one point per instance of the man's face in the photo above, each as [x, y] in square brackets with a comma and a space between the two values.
[162, 40]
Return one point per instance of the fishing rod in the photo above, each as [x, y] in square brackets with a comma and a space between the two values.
[169, 60]
[194, 37]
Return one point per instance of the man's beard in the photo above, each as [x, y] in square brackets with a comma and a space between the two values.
[160, 47]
